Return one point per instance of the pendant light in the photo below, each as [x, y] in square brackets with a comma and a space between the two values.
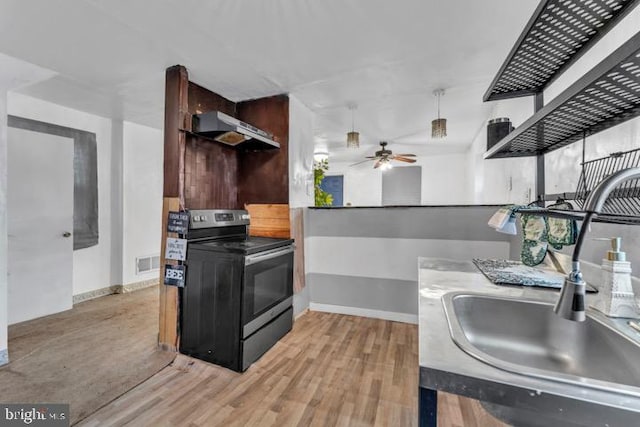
[439, 126]
[353, 137]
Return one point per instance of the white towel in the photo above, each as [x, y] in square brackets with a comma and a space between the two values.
[504, 221]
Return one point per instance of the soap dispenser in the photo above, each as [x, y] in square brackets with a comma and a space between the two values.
[616, 298]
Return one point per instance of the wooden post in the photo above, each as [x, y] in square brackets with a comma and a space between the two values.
[175, 119]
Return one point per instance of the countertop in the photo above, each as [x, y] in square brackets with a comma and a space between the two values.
[409, 206]
[444, 366]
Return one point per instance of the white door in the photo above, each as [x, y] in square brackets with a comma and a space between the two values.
[40, 222]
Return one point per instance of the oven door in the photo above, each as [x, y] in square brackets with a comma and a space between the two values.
[268, 287]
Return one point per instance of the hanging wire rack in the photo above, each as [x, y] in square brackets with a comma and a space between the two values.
[623, 204]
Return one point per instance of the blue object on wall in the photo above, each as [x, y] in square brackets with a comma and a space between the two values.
[333, 184]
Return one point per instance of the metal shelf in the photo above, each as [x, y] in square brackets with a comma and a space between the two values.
[607, 95]
[557, 34]
[579, 216]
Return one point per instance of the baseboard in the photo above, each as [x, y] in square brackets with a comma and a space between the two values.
[131, 287]
[365, 312]
[115, 289]
[4, 356]
[96, 293]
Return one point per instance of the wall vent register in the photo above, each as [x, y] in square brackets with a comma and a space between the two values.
[146, 264]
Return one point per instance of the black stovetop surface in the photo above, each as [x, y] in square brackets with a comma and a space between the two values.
[242, 245]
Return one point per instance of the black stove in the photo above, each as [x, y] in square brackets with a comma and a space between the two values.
[238, 296]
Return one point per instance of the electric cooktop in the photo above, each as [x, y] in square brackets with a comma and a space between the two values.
[242, 245]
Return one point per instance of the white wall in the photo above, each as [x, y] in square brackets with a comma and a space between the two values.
[301, 189]
[130, 216]
[14, 73]
[91, 266]
[563, 165]
[444, 181]
[362, 184]
[300, 154]
[143, 174]
[499, 181]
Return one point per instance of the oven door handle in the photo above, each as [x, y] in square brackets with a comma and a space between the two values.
[264, 256]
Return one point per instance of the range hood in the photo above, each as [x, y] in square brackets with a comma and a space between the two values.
[231, 131]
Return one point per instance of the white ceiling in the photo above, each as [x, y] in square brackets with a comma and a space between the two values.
[386, 57]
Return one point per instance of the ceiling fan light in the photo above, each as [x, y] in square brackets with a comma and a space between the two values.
[439, 128]
[353, 139]
[386, 165]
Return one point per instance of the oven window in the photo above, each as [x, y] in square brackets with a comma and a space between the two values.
[266, 284]
[269, 287]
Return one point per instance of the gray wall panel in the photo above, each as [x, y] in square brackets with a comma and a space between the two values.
[390, 291]
[399, 296]
[402, 186]
[426, 222]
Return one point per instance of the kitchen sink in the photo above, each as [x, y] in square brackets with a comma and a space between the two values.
[526, 337]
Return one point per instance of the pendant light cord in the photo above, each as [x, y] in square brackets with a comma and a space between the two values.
[352, 121]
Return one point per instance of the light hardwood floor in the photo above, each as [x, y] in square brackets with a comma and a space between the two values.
[330, 370]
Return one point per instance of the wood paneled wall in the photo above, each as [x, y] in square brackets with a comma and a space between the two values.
[211, 175]
[203, 174]
[264, 175]
[211, 168]
[202, 100]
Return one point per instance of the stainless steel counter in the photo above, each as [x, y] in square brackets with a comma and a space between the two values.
[444, 366]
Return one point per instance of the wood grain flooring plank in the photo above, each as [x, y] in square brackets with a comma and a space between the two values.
[331, 370]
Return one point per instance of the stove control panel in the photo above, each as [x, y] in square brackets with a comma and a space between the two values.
[224, 217]
[208, 218]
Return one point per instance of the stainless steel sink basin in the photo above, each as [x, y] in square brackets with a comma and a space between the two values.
[528, 338]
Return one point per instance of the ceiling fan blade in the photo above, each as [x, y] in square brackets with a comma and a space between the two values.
[404, 159]
[378, 164]
[371, 157]
[406, 155]
[364, 161]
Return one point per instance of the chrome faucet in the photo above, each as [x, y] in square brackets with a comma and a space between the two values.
[571, 304]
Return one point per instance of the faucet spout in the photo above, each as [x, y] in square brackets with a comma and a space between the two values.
[571, 304]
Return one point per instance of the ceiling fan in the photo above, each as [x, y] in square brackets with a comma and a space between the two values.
[383, 158]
